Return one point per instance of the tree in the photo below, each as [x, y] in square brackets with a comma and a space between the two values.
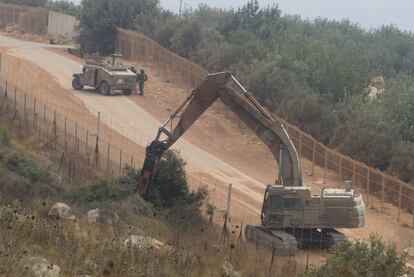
[311, 114]
[369, 140]
[33, 3]
[169, 186]
[402, 162]
[100, 18]
[399, 100]
[186, 38]
[63, 7]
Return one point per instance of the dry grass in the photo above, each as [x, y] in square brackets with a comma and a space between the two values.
[80, 248]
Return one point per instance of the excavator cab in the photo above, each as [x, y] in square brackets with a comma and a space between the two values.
[295, 207]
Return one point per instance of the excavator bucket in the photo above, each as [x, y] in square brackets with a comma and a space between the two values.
[153, 154]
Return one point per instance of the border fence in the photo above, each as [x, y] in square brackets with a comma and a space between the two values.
[386, 188]
[79, 147]
[29, 19]
[38, 21]
[175, 69]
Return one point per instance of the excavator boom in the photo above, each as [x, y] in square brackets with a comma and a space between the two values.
[225, 87]
[291, 215]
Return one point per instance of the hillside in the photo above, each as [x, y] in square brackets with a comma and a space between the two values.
[109, 230]
[315, 74]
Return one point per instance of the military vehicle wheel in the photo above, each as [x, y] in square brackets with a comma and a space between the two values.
[104, 88]
[76, 84]
[127, 91]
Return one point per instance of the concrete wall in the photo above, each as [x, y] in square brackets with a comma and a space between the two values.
[10, 14]
[30, 20]
[61, 25]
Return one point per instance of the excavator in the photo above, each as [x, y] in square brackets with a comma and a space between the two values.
[291, 216]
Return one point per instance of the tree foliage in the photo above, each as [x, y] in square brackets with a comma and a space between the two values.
[362, 259]
[32, 3]
[60, 6]
[169, 186]
[169, 191]
[64, 7]
[100, 18]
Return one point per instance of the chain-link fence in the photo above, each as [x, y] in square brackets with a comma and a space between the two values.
[386, 188]
[171, 67]
[80, 147]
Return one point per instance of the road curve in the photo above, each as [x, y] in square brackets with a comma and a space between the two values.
[121, 111]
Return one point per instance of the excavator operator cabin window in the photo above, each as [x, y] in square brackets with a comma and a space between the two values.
[292, 203]
[276, 202]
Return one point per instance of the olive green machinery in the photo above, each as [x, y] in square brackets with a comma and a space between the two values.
[107, 77]
[291, 215]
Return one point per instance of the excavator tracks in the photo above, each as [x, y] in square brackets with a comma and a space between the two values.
[286, 242]
[283, 243]
[333, 237]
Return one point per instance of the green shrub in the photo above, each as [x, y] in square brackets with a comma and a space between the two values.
[26, 167]
[169, 186]
[311, 114]
[360, 258]
[14, 186]
[4, 136]
[368, 140]
[184, 217]
[402, 162]
[105, 190]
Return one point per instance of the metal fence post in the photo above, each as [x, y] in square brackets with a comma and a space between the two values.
[353, 175]
[34, 113]
[15, 99]
[368, 186]
[108, 154]
[44, 121]
[399, 201]
[98, 122]
[54, 128]
[120, 162]
[229, 203]
[313, 156]
[382, 192]
[325, 166]
[86, 144]
[25, 113]
[65, 135]
[340, 165]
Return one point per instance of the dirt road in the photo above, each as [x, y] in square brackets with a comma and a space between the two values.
[120, 112]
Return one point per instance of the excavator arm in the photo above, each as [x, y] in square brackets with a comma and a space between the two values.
[225, 87]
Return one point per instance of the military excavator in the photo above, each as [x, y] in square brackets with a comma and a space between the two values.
[291, 216]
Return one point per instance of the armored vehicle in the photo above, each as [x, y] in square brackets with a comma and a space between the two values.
[107, 77]
[291, 215]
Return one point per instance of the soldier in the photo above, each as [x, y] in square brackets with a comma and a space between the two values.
[141, 78]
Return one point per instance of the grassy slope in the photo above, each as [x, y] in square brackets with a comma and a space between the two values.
[29, 186]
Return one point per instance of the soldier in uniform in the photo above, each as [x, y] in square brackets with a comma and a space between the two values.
[141, 79]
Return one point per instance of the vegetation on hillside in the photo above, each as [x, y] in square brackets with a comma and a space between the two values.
[314, 73]
[30, 185]
[61, 6]
[363, 259]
